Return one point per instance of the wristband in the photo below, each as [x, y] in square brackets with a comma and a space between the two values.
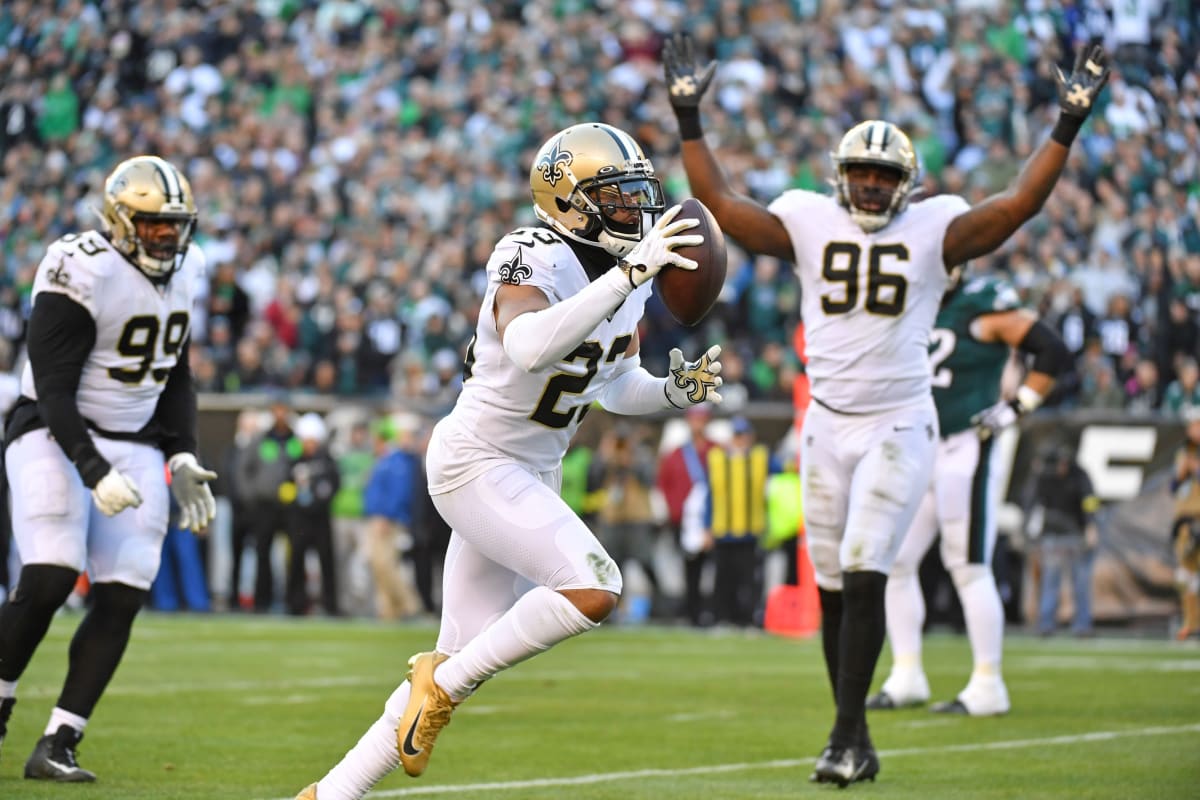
[91, 465]
[1066, 129]
[689, 123]
[1027, 399]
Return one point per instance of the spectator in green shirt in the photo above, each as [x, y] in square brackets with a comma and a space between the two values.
[354, 460]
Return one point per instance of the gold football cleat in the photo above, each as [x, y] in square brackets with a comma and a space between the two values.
[428, 711]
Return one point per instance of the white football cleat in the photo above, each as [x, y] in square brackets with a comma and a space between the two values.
[902, 689]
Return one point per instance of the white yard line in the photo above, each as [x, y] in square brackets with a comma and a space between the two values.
[609, 777]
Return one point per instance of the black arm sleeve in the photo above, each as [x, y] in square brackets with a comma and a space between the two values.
[175, 414]
[1050, 354]
[61, 336]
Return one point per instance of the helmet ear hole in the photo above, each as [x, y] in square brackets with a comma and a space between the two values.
[563, 205]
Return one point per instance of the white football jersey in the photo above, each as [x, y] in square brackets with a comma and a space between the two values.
[868, 300]
[506, 413]
[139, 326]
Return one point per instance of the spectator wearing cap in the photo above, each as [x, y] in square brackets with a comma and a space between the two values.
[307, 497]
[737, 519]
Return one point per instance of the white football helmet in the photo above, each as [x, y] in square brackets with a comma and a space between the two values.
[592, 183]
[883, 144]
[148, 188]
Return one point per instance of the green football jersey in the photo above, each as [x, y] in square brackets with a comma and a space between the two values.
[966, 372]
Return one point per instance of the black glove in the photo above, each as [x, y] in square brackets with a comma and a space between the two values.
[1078, 91]
[686, 80]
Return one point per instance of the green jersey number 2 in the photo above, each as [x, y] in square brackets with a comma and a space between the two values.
[942, 341]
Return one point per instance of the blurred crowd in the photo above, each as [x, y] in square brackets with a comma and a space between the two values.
[330, 514]
[354, 161]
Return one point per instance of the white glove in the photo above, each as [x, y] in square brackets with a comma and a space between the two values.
[693, 382]
[189, 485]
[115, 493]
[656, 249]
[991, 421]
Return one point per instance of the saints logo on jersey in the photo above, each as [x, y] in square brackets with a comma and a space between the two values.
[59, 276]
[514, 270]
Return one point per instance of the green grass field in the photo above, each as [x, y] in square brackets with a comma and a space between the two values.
[255, 708]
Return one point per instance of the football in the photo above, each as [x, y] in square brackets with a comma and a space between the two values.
[690, 294]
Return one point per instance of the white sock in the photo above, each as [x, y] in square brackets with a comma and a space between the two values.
[540, 619]
[8, 689]
[983, 613]
[373, 757]
[59, 717]
[905, 608]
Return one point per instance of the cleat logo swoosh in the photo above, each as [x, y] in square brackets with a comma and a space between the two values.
[407, 746]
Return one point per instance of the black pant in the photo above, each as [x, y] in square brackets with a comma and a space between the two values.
[311, 528]
[240, 534]
[428, 552]
[265, 520]
[735, 591]
[694, 602]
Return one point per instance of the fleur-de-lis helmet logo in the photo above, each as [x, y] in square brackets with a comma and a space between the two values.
[552, 163]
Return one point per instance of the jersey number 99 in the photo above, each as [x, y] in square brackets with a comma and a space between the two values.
[139, 339]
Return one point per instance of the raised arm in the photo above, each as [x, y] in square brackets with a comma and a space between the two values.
[755, 228]
[985, 227]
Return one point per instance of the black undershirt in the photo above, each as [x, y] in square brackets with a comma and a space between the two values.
[595, 259]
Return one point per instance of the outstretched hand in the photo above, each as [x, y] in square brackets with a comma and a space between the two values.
[1078, 91]
[690, 383]
[687, 81]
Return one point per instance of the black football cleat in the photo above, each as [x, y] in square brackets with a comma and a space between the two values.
[845, 765]
[950, 707]
[54, 758]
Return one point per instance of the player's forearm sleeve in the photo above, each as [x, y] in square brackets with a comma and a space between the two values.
[61, 335]
[1050, 354]
[634, 391]
[536, 339]
[176, 409]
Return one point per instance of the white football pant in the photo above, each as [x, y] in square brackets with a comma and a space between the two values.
[55, 522]
[863, 476]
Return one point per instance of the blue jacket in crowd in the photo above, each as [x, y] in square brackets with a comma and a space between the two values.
[390, 488]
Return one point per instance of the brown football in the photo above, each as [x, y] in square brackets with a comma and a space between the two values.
[690, 294]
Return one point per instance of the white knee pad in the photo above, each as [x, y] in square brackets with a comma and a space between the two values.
[967, 574]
